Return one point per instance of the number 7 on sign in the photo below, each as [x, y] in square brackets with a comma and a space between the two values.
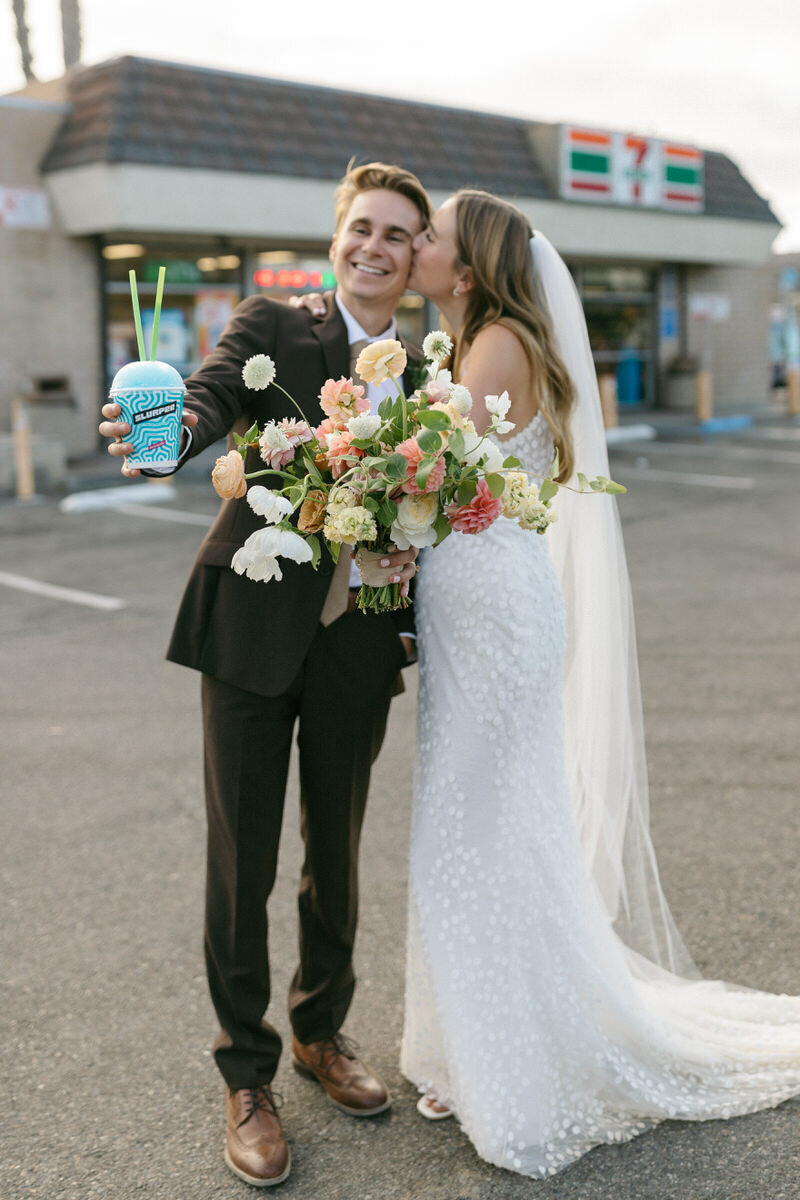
[639, 177]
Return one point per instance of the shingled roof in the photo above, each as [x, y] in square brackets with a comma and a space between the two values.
[137, 110]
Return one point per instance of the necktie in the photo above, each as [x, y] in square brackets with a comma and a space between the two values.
[336, 599]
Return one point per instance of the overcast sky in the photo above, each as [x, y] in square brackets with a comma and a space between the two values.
[720, 74]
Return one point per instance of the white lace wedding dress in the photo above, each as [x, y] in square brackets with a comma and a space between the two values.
[524, 1009]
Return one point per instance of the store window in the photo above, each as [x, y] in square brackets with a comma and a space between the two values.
[203, 286]
[620, 307]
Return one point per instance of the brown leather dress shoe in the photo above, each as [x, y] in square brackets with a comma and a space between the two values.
[256, 1149]
[348, 1083]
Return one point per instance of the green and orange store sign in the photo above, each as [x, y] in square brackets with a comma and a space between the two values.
[623, 168]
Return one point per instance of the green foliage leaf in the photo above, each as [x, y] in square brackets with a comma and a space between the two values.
[597, 485]
[547, 489]
[423, 471]
[429, 440]
[388, 511]
[432, 419]
[316, 549]
[455, 444]
[511, 462]
[615, 489]
[372, 504]
[363, 443]
[496, 485]
[556, 466]
[442, 527]
[333, 550]
[466, 491]
[385, 408]
[396, 466]
[583, 482]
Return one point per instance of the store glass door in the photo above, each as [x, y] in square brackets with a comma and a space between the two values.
[620, 308]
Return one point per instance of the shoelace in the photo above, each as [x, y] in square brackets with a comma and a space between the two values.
[260, 1098]
[340, 1044]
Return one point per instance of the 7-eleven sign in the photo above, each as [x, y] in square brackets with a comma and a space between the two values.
[623, 168]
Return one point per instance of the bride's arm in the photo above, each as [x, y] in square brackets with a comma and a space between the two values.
[496, 363]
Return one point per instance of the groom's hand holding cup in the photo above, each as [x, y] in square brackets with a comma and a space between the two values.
[113, 428]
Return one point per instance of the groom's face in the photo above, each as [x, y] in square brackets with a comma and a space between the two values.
[371, 251]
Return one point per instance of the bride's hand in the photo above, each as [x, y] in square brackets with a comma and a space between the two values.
[313, 301]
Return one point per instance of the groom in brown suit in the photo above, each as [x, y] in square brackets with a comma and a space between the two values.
[268, 662]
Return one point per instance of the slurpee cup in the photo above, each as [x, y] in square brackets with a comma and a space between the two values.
[150, 395]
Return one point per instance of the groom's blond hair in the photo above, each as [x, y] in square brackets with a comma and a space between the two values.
[377, 176]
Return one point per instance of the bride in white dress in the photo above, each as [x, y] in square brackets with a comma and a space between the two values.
[550, 1004]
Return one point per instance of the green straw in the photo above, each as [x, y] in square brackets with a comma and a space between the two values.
[136, 316]
[162, 271]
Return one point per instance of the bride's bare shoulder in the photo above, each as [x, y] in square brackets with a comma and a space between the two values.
[497, 339]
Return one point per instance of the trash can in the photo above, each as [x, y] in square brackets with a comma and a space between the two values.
[629, 377]
[679, 383]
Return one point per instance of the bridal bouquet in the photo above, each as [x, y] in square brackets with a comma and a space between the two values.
[406, 476]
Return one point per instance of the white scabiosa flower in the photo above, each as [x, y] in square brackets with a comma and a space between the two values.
[364, 426]
[258, 372]
[268, 504]
[461, 398]
[437, 345]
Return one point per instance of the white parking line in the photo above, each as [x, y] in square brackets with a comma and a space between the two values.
[156, 513]
[53, 592]
[737, 483]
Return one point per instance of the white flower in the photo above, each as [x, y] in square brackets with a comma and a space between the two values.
[273, 438]
[351, 525]
[517, 491]
[535, 515]
[461, 398]
[341, 496]
[498, 406]
[482, 452]
[268, 504]
[258, 557]
[258, 372]
[413, 525]
[364, 426]
[437, 345]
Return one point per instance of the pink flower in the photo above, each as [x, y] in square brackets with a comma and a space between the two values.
[479, 514]
[339, 444]
[323, 431]
[342, 399]
[296, 431]
[413, 453]
[436, 391]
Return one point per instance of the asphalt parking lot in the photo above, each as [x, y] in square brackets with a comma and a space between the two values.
[106, 1026]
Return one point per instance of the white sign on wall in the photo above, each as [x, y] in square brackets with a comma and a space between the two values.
[24, 208]
[710, 306]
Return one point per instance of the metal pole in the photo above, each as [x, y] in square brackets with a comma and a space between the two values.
[23, 457]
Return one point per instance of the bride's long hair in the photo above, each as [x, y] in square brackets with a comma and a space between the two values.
[493, 239]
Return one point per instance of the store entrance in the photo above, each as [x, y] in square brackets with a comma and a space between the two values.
[620, 307]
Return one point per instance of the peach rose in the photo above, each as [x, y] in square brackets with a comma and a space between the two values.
[481, 512]
[341, 399]
[379, 360]
[312, 512]
[339, 444]
[413, 453]
[228, 476]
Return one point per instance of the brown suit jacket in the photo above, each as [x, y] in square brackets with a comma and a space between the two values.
[256, 635]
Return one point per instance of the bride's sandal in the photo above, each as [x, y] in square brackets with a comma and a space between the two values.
[433, 1109]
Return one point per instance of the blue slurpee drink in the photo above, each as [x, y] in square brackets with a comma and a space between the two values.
[150, 395]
